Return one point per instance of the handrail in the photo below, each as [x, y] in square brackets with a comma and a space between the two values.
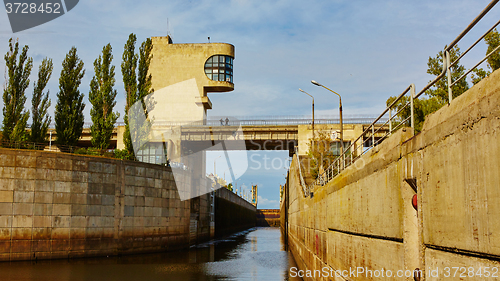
[335, 167]
[299, 167]
[255, 121]
[472, 24]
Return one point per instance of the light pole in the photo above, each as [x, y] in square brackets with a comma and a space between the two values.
[236, 186]
[215, 172]
[225, 172]
[312, 108]
[341, 125]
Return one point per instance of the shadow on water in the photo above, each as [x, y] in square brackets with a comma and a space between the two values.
[255, 254]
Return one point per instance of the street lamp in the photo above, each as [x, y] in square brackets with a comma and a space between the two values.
[215, 172]
[312, 108]
[225, 172]
[341, 125]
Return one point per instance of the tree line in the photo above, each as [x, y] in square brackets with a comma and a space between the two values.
[68, 114]
[437, 95]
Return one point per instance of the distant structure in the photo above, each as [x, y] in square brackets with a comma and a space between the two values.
[282, 189]
[254, 195]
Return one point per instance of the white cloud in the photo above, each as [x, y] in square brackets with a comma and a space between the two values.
[264, 203]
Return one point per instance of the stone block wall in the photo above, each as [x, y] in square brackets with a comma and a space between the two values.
[56, 205]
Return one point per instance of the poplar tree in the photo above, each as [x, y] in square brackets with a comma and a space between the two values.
[137, 83]
[69, 108]
[40, 103]
[18, 71]
[102, 96]
[129, 66]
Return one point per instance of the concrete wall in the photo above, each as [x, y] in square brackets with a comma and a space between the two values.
[351, 133]
[56, 205]
[182, 67]
[232, 213]
[364, 217]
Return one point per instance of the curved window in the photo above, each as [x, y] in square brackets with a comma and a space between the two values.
[219, 68]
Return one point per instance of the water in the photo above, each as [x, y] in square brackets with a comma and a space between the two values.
[257, 254]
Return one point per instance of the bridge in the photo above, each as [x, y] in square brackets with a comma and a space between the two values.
[259, 132]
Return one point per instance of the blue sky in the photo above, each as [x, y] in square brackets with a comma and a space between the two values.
[364, 50]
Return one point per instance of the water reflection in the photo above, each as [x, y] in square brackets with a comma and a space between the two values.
[257, 254]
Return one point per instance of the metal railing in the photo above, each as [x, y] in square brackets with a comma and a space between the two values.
[39, 146]
[256, 121]
[305, 188]
[369, 138]
[397, 111]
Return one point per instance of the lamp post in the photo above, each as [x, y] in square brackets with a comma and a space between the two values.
[341, 125]
[312, 108]
[215, 172]
[225, 172]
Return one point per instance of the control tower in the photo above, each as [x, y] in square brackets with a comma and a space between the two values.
[182, 77]
[183, 68]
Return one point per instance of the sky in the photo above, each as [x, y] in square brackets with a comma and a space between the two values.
[364, 50]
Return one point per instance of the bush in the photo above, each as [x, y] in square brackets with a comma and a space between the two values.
[123, 154]
[94, 151]
[82, 151]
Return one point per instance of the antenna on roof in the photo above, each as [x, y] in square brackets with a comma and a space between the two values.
[168, 28]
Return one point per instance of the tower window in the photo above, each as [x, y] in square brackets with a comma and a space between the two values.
[219, 68]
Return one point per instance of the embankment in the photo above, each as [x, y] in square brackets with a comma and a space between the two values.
[364, 218]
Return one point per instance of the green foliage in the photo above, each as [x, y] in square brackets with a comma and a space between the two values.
[437, 94]
[320, 152]
[81, 150]
[440, 88]
[492, 39]
[94, 152]
[102, 96]
[69, 108]
[137, 83]
[40, 103]
[479, 74]
[143, 77]
[129, 66]
[422, 107]
[123, 154]
[230, 187]
[14, 97]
